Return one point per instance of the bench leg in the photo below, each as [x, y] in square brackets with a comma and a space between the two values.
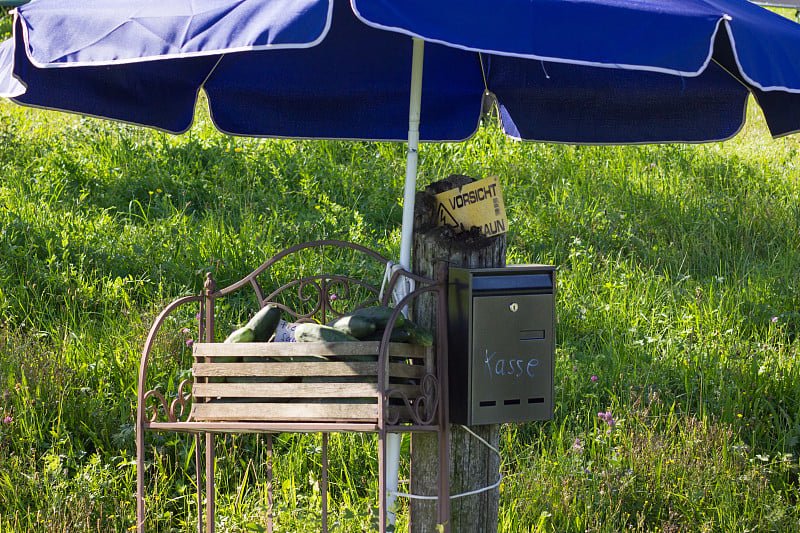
[324, 488]
[269, 483]
[444, 477]
[382, 515]
[139, 478]
[210, 491]
[198, 477]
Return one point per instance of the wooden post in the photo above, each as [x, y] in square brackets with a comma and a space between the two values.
[472, 464]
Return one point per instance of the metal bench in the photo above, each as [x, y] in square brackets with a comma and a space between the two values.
[279, 387]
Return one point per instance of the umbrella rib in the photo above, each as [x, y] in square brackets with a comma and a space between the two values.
[483, 72]
[210, 72]
[733, 75]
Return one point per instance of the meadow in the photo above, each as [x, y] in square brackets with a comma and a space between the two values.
[678, 267]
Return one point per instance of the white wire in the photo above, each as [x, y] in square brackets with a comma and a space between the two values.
[495, 450]
[463, 494]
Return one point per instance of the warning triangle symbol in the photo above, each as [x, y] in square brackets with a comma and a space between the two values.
[445, 218]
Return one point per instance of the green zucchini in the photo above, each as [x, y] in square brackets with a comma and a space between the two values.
[264, 323]
[397, 335]
[310, 332]
[356, 326]
[409, 332]
[243, 334]
[379, 314]
[418, 334]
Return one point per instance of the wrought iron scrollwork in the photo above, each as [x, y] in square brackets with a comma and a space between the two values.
[310, 291]
[325, 296]
[176, 410]
[421, 409]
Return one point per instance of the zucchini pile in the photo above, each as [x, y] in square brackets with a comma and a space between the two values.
[365, 324]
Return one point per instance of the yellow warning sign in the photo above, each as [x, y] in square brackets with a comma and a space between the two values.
[479, 203]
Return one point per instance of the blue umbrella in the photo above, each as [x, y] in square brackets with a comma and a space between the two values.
[661, 62]
[589, 71]
[577, 71]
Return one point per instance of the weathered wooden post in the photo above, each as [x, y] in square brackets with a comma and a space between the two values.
[472, 464]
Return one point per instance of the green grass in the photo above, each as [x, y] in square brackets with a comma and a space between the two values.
[678, 272]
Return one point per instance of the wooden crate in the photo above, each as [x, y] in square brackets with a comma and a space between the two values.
[300, 381]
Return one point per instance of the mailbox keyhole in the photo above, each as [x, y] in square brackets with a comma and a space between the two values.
[514, 307]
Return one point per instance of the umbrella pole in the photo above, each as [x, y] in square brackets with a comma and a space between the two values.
[415, 103]
[394, 440]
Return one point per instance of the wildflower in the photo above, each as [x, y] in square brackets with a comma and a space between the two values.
[7, 420]
[333, 297]
[594, 379]
[608, 418]
[185, 331]
[774, 319]
[574, 368]
[189, 342]
[577, 446]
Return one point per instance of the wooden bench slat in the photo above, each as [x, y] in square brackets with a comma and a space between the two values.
[399, 370]
[280, 412]
[292, 390]
[299, 349]
[326, 368]
[285, 369]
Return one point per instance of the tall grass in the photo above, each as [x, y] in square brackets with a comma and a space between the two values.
[677, 321]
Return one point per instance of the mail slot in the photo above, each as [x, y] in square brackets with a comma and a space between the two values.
[501, 346]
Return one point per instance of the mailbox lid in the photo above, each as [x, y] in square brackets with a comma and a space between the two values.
[512, 278]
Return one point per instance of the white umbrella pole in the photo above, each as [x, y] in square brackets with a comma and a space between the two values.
[411, 157]
[394, 440]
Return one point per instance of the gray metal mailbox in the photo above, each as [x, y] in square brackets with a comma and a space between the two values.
[501, 346]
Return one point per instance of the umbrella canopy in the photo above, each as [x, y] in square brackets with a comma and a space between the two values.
[599, 71]
[578, 71]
